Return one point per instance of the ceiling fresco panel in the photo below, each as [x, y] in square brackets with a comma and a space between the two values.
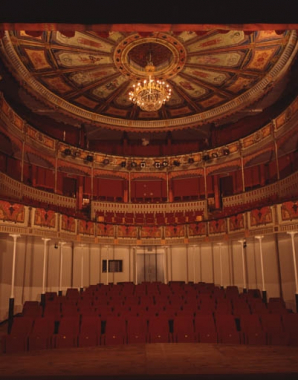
[38, 59]
[217, 40]
[211, 77]
[261, 59]
[226, 59]
[77, 59]
[108, 88]
[83, 78]
[83, 41]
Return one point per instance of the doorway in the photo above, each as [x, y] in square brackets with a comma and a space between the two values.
[149, 265]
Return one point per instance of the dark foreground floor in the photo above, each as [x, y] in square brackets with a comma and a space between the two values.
[154, 361]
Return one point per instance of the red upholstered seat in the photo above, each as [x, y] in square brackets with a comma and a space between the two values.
[158, 330]
[68, 331]
[205, 328]
[290, 324]
[41, 335]
[90, 331]
[252, 330]
[227, 329]
[115, 331]
[17, 340]
[32, 310]
[137, 329]
[183, 330]
[272, 325]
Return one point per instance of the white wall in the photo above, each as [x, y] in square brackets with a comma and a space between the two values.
[199, 263]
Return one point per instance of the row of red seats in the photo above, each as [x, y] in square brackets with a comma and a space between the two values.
[150, 306]
[155, 288]
[42, 333]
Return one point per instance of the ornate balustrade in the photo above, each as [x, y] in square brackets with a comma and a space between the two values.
[17, 218]
[285, 188]
[11, 188]
[147, 208]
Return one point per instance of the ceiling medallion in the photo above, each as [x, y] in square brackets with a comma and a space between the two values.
[150, 94]
[168, 52]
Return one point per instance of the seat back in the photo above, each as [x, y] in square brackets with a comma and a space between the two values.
[43, 326]
[69, 325]
[21, 326]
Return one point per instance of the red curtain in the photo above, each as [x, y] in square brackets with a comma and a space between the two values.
[185, 187]
[148, 189]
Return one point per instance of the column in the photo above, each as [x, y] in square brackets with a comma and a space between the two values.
[43, 293]
[107, 265]
[125, 191]
[129, 188]
[220, 265]
[276, 160]
[92, 179]
[135, 255]
[205, 183]
[264, 293]
[194, 264]
[61, 243]
[80, 192]
[186, 264]
[165, 265]
[82, 268]
[292, 234]
[167, 179]
[200, 261]
[11, 299]
[217, 196]
[243, 245]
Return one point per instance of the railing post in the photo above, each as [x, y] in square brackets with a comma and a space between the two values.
[43, 293]
[220, 265]
[11, 299]
[292, 234]
[60, 268]
[264, 293]
[243, 245]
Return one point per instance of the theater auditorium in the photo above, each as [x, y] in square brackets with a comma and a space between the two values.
[148, 197]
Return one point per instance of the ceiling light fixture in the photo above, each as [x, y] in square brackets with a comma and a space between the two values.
[150, 94]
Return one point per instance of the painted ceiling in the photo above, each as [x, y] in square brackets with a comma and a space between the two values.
[87, 75]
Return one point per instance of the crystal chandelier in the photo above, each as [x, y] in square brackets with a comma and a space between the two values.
[150, 94]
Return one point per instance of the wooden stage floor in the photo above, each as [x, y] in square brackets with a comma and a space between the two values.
[154, 361]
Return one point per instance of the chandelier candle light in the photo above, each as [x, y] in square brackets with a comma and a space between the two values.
[150, 94]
